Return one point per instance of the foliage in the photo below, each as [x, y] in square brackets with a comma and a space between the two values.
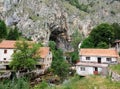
[74, 56]
[52, 45]
[78, 5]
[87, 43]
[20, 83]
[59, 66]
[102, 45]
[102, 33]
[3, 30]
[116, 27]
[42, 85]
[25, 56]
[76, 39]
[115, 68]
[89, 82]
[13, 34]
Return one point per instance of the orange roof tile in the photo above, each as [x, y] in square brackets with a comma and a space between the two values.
[44, 51]
[10, 44]
[7, 44]
[99, 52]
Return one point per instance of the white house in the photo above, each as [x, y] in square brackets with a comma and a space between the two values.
[46, 58]
[95, 61]
[7, 48]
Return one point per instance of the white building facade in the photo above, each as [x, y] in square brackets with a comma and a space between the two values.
[96, 61]
[7, 48]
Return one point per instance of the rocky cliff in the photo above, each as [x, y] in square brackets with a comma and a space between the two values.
[44, 20]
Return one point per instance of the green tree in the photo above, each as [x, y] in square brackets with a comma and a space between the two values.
[3, 30]
[87, 43]
[25, 56]
[102, 45]
[102, 34]
[116, 27]
[13, 34]
[52, 45]
[59, 66]
[74, 56]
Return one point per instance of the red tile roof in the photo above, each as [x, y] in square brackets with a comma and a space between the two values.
[7, 44]
[44, 51]
[99, 52]
[10, 44]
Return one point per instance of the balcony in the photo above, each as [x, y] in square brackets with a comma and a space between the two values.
[4, 62]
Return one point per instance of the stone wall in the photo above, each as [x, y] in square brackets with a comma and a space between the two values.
[114, 76]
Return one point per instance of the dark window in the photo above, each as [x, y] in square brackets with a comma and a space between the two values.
[96, 69]
[99, 59]
[108, 59]
[82, 68]
[5, 51]
[4, 58]
[87, 58]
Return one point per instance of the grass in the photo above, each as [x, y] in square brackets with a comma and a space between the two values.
[115, 68]
[90, 82]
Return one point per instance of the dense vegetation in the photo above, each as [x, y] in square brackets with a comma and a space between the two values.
[102, 36]
[13, 34]
[76, 39]
[25, 56]
[115, 68]
[3, 30]
[20, 83]
[8, 33]
[90, 82]
[59, 66]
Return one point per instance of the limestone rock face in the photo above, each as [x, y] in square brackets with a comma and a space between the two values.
[44, 20]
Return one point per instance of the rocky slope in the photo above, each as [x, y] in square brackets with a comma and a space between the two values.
[44, 20]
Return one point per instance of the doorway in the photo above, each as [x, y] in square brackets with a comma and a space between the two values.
[99, 59]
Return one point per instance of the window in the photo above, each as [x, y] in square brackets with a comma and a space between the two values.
[14, 51]
[5, 51]
[82, 68]
[87, 58]
[108, 59]
[4, 58]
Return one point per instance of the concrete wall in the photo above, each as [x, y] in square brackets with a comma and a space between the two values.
[6, 55]
[88, 70]
[95, 59]
[48, 60]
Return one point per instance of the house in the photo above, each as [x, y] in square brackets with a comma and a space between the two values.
[7, 48]
[45, 58]
[95, 61]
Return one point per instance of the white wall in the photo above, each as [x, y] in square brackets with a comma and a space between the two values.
[48, 60]
[6, 55]
[88, 70]
[94, 59]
